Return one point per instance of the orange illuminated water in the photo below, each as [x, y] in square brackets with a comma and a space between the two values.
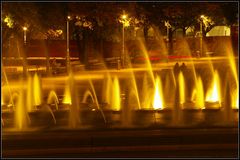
[21, 116]
[67, 95]
[36, 90]
[198, 94]
[52, 98]
[2, 98]
[158, 95]
[116, 101]
[235, 99]
[181, 87]
[232, 62]
[29, 93]
[213, 93]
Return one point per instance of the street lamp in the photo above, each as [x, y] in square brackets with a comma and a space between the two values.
[25, 35]
[68, 55]
[125, 22]
[201, 35]
[25, 49]
[167, 24]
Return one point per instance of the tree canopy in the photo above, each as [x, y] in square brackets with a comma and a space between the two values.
[45, 16]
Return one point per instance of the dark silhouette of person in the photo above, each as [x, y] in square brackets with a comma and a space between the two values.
[183, 67]
[176, 69]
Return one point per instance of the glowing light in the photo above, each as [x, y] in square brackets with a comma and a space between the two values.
[8, 21]
[68, 17]
[124, 16]
[213, 94]
[125, 20]
[181, 87]
[24, 28]
[207, 21]
[59, 32]
[158, 96]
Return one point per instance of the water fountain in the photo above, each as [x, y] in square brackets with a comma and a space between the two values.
[151, 95]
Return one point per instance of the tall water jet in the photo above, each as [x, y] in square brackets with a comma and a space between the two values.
[96, 99]
[74, 118]
[213, 95]
[158, 102]
[2, 98]
[67, 95]
[228, 112]
[147, 93]
[21, 115]
[232, 62]
[134, 84]
[37, 90]
[116, 100]
[148, 62]
[52, 98]
[7, 85]
[176, 118]
[33, 92]
[199, 103]
[235, 99]
[168, 88]
[181, 88]
[29, 93]
[106, 91]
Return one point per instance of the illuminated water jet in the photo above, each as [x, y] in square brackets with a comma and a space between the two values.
[37, 90]
[87, 94]
[115, 100]
[67, 95]
[181, 82]
[22, 119]
[52, 98]
[198, 94]
[213, 95]
[158, 102]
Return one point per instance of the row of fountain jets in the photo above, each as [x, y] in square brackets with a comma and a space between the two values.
[29, 96]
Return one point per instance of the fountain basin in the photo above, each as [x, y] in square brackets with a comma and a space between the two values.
[148, 117]
[236, 115]
[189, 105]
[138, 118]
[212, 116]
[212, 105]
[192, 116]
